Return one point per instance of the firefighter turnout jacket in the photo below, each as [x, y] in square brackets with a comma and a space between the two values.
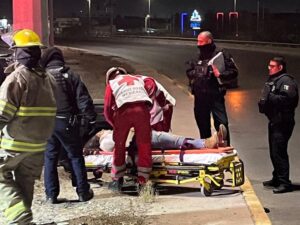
[27, 109]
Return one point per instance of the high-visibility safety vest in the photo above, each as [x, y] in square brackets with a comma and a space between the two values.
[27, 109]
[128, 88]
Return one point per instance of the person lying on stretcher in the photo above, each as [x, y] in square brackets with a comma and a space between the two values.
[103, 140]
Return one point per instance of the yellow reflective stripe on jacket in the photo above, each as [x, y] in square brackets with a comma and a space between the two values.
[14, 211]
[7, 108]
[36, 111]
[21, 146]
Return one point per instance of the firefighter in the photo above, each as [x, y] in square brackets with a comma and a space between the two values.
[27, 112]
[127, 104]
[73, 99]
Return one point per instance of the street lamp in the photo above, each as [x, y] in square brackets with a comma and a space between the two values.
[146, 23]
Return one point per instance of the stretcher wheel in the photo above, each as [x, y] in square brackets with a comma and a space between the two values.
[215, 187]
[206, 190]
[97, 173]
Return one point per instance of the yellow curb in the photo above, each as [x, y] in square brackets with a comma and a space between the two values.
[256, 209]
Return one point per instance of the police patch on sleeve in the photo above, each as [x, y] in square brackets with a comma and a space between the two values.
[286, 87]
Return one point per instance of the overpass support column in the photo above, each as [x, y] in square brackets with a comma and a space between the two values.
[33, 14]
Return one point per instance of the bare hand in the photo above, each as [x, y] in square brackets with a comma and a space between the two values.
[216, 71]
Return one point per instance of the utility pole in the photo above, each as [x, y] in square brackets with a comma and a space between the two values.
[149, 13]
[110, 4]
[50, 22]
[234, 5]
[257, 16]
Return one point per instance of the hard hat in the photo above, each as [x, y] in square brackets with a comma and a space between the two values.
[113, 70]
[26, 38]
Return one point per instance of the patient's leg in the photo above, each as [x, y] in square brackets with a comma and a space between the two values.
[165, 140]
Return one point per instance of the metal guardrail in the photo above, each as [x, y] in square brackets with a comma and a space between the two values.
[278, 44]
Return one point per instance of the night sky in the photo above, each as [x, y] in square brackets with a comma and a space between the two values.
[162, 8]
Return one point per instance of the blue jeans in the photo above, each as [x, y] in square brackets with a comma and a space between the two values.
[70, 140]
[166, 140]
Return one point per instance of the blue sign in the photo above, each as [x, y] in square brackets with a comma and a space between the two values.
[195, 20]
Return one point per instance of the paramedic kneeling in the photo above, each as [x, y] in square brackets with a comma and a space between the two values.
[278, 102]
[126, 104]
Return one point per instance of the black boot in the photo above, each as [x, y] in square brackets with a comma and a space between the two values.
[86, 196]
[270, 183]
[283, 188]
[116, 185]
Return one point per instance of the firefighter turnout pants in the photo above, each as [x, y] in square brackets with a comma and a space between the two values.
[134, 115]
[18, 172]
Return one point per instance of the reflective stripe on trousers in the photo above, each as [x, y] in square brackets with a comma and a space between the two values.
[18, 172]
[144, 172]
[118, 171]
[13, 212]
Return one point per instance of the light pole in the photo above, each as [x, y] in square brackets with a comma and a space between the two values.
[149, 12]
[146, 23]
[234, 5]
[89, 2]
[257, 16]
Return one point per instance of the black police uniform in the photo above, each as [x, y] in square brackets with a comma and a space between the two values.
[278, 102]
[72, 99]
[208, 91]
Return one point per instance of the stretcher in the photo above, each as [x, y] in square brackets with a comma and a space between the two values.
[206, 166]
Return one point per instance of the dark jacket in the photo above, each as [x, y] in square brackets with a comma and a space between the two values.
[279, 98]
[73, 97]
[201, 78]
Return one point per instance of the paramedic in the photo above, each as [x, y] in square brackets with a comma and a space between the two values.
[162, 107]
[27, 114]
[127, 104]
[72, 99]
[207, 85]
[278, 102]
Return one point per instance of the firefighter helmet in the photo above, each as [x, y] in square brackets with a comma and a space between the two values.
[26, 38]
[114, 70]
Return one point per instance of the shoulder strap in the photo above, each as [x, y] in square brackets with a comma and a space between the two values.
[70, 91]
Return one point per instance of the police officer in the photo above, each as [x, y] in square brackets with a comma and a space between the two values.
[72, 98]
[207, 85]
[278, 102]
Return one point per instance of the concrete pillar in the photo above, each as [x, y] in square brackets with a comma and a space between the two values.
[32, 14]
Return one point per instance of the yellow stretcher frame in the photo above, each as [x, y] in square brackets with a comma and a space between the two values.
[211, 177]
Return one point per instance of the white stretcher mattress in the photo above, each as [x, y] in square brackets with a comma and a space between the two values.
[201, 159]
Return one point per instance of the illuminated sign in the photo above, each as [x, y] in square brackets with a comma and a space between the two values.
[3, 23]
[195, 20]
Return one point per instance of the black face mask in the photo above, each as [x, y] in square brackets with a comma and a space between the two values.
[28, 57]
[206, 50]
